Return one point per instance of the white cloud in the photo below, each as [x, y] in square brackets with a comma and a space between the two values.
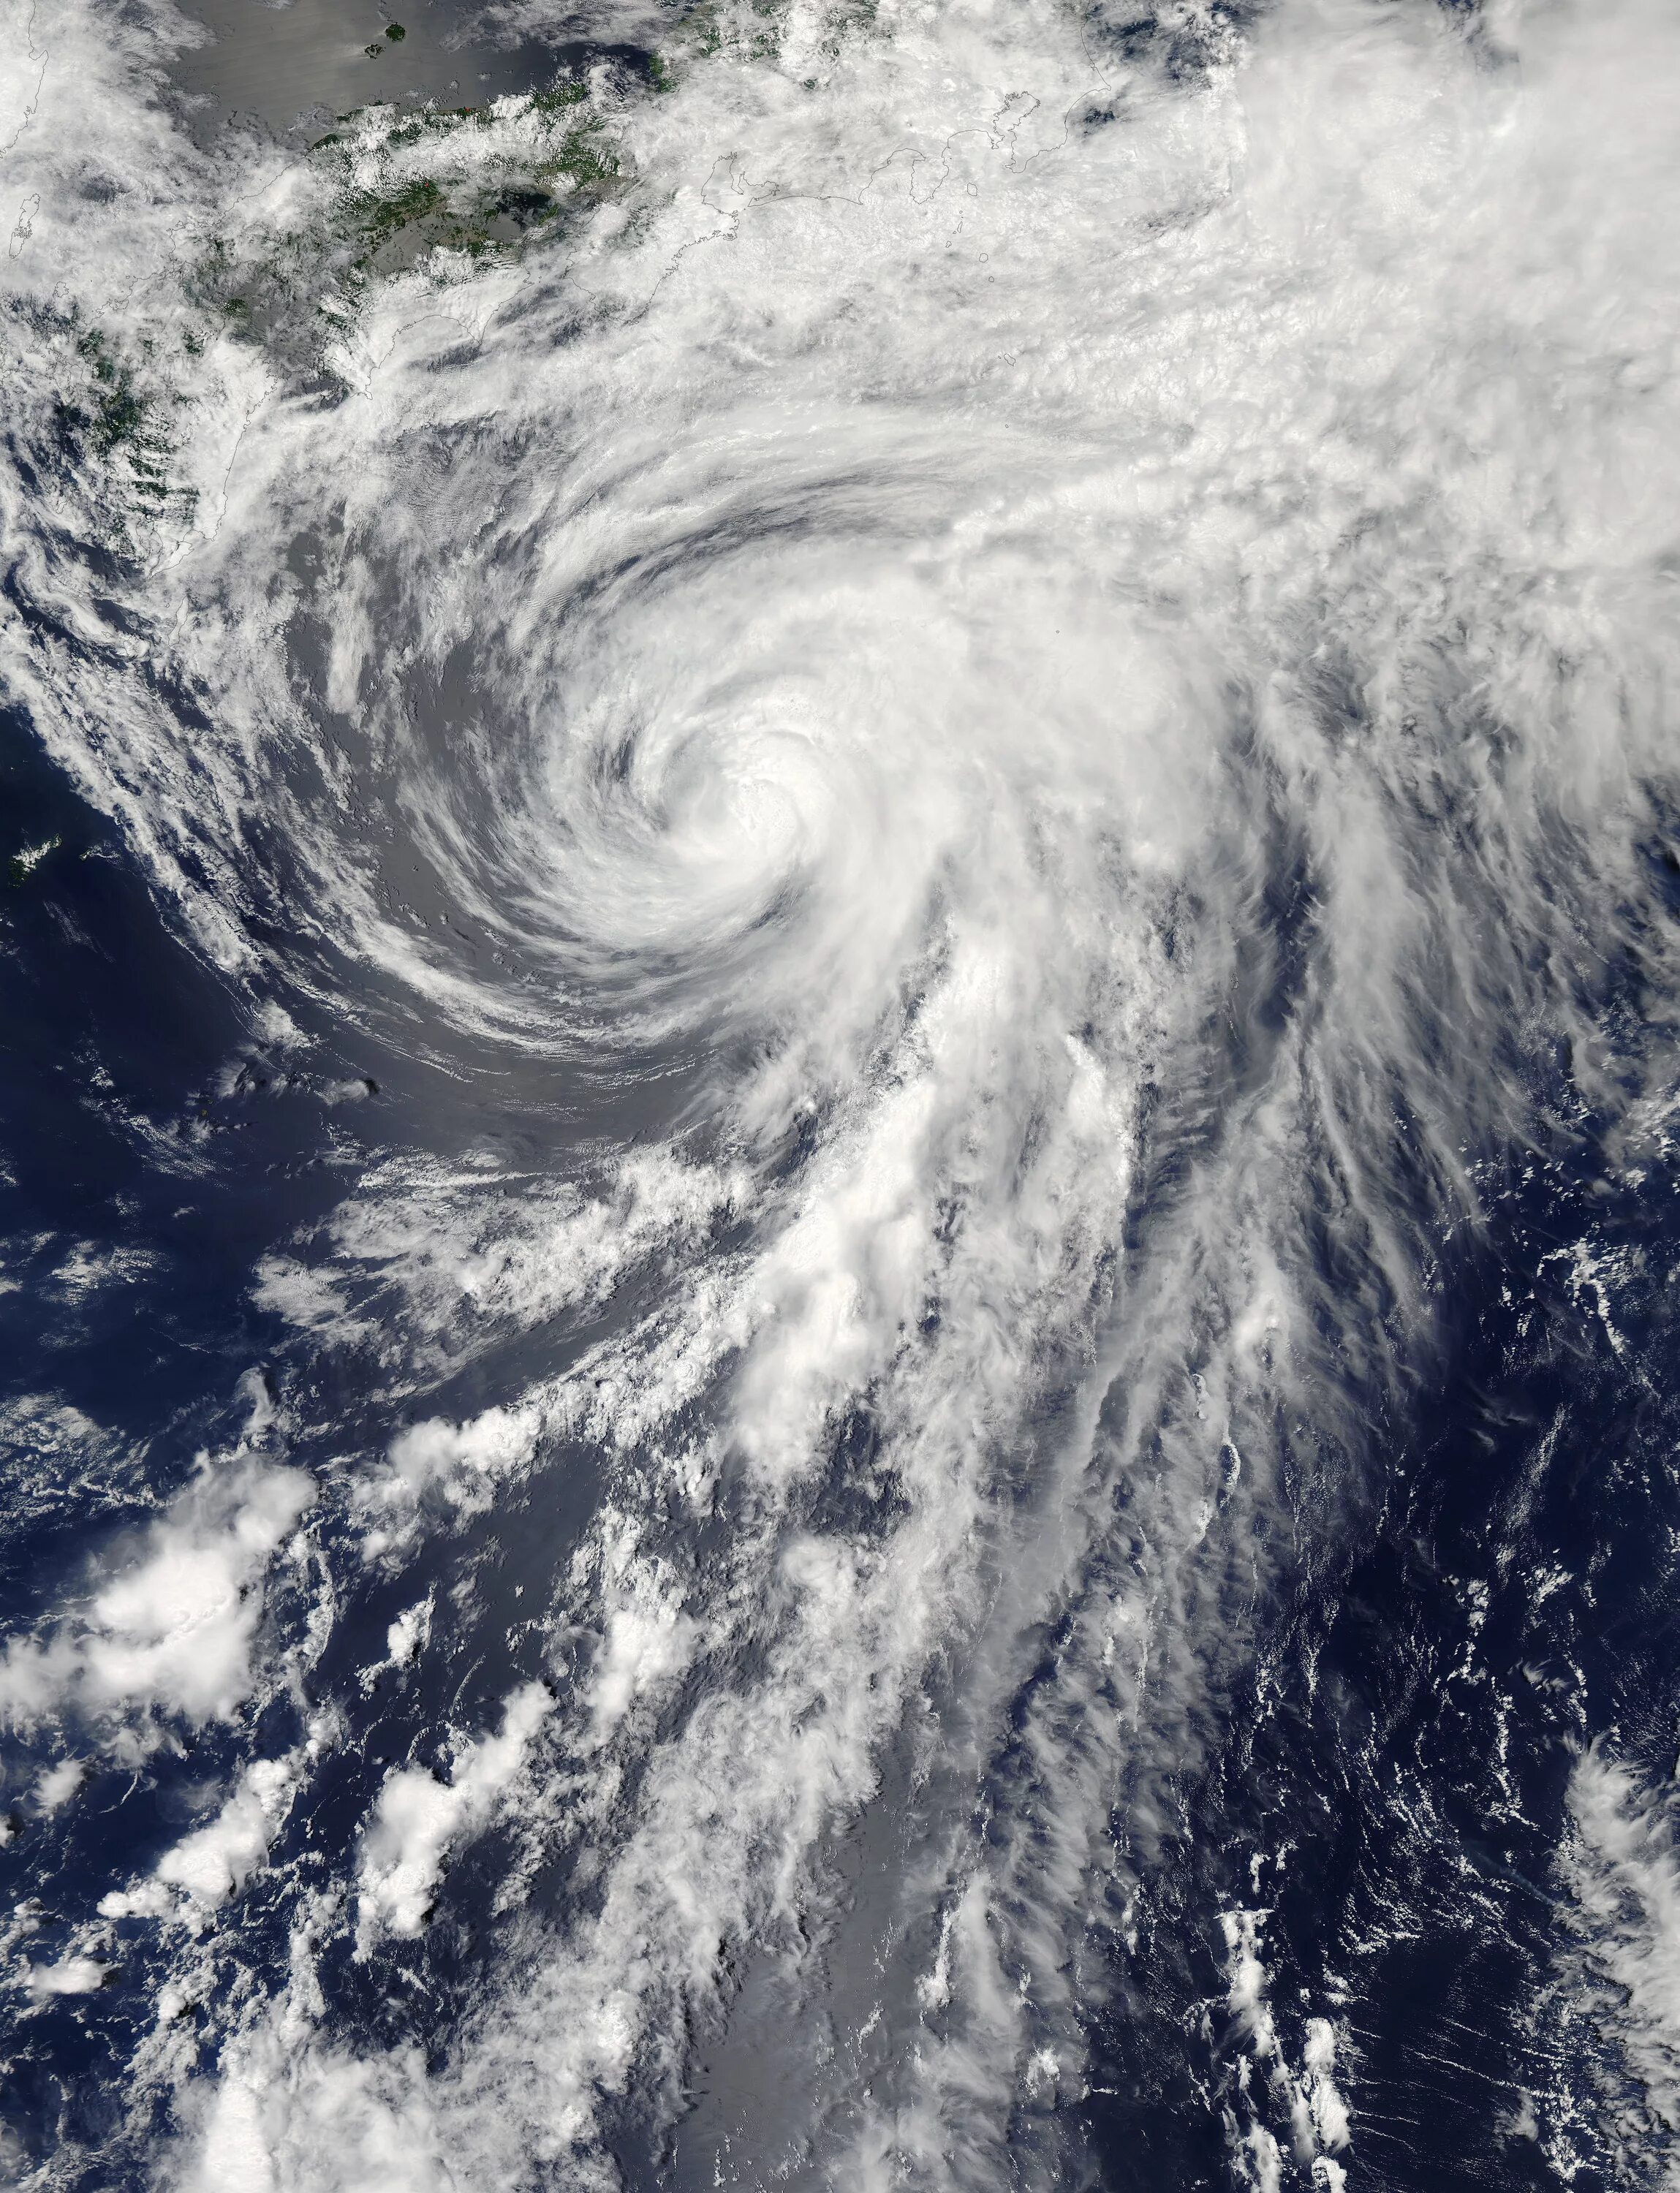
[172, 1622]
[1305, 2107]
[215, 1861]
[941, 567]
[277, 2122]
[406, 1638]
[60, 1784]
[462, 1458]
[648, 1643]
[419, 1818]
[70, 1976]
[1621, 1870]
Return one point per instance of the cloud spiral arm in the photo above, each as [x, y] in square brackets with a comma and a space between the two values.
[1059, 679]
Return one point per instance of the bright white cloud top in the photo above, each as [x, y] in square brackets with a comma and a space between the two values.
[1018, 679]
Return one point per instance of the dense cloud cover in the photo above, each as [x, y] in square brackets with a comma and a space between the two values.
[1018, 699]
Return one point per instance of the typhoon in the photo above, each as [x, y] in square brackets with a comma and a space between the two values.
[842, 1101]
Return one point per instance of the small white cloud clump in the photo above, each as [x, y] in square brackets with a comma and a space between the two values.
[170, 1626]
[418, 1818]
[198, 1874]
[70, 1976]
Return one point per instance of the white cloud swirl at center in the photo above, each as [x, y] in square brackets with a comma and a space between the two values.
[897, 621]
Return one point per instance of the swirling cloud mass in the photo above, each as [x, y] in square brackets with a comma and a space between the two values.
[926, 827]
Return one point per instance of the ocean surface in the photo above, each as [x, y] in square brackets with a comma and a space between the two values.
[839, 1097]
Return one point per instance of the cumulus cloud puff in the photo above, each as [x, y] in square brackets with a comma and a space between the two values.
[170, 1624]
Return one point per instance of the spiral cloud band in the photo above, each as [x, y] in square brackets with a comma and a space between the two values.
[945, 829]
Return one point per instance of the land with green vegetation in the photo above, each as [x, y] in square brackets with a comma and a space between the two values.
[388, 193]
